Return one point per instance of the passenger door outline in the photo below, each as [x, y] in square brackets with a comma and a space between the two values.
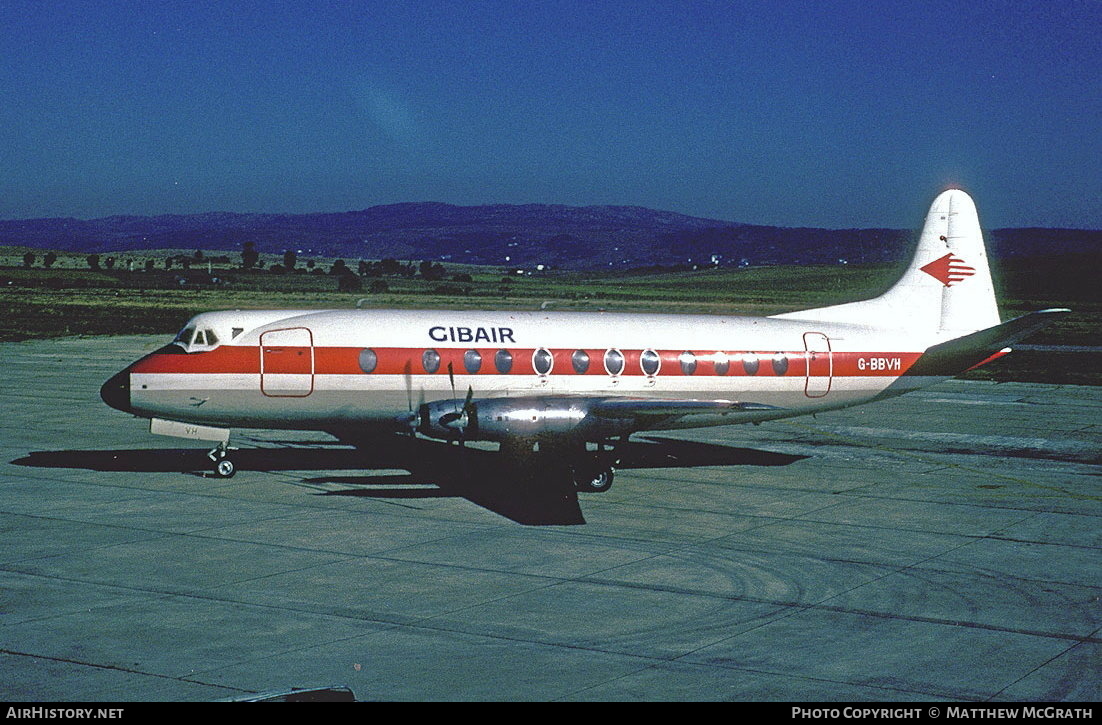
[287, 362]
[820, 365]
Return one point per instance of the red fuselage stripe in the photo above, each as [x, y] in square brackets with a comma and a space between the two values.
[240, 360]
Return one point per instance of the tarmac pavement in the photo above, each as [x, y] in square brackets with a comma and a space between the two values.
[942, 545]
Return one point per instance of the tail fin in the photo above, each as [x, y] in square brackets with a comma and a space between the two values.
[946, 289]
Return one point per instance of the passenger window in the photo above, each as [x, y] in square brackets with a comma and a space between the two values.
[688, 363]
[750, 363]
[780, 363]
[542, 361]
[614, 362]
[430, 361]
[650, 362]
[503, 361]
[472, 361]
[368, 360]
[580, 361]
[236, 331]
[722, 364]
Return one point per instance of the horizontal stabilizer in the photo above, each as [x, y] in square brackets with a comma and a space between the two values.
[955, 356]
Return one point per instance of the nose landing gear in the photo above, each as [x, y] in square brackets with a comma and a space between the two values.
[223, 465]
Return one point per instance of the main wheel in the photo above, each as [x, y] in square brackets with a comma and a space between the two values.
[593, 479]
[224, 468]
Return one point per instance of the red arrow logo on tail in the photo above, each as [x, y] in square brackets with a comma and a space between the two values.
[948, 270]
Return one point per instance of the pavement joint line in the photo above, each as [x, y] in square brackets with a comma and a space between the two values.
[223, 493]
[894, 527]
[817, 606]
[383, 629]
[117, 668]
[797, 517]
[427, 624]
[791, 608]
[791, 612]
[919, 457]
[26, 560]
[1038, 542]
[990, 504]
[756, 671]
[200, 534]
[207, 597]
[263, 518]
[1043, 665]
[558, 534]
[910, 567]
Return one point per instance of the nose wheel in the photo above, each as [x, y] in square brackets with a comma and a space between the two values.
[225, 468]
[223, 465]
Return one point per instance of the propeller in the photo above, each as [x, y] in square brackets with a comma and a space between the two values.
[460, 418]
[407, 375]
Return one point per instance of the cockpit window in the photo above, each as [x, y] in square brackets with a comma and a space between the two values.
[184, 338]
[190, 338]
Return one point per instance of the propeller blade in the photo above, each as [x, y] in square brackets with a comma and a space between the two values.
[451, 379]
[407, 375]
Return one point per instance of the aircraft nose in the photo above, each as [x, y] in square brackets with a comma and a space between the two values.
[116, 391]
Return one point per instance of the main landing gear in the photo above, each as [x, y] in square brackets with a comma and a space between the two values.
[587, 471]
[593, 476]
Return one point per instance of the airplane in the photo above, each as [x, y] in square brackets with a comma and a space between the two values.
[567, 389]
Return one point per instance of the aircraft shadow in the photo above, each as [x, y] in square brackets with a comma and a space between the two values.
[662, 452]
[536, 495]
[535, 498]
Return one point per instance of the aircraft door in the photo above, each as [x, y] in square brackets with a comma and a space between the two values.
[820, 364]
[287, 363]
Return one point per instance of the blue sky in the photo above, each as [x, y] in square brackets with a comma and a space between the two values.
[836, 114]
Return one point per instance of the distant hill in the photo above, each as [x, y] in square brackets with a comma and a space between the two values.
[514, 235]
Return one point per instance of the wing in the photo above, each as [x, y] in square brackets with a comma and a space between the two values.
[647, 407]
[593, 418]
[638, 414]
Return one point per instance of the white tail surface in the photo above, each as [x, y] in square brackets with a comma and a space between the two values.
[947, 288]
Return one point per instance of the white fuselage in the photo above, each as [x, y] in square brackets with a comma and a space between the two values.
[372, 368]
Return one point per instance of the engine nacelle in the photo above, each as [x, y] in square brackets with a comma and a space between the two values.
[498, 419]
